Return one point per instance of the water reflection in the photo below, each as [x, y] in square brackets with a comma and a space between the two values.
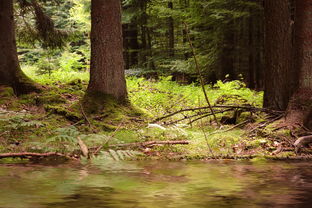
[157, 184]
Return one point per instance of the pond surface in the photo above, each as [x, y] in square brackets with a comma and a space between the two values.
[157, 184]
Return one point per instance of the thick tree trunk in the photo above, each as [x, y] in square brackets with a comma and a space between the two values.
[10, 71]
[278, 56]
[107, 77]
[300, 106]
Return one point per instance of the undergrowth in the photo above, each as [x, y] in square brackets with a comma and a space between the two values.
[42, 123]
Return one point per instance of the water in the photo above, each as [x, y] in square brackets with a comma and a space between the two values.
[157, 184]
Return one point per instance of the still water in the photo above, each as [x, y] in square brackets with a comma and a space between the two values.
[157, 184]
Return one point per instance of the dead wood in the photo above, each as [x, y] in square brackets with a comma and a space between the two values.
[262, 125]
[227, 107]
[201, 114]
[199, 73]
[84, 148]
[34, 155]
[302, 142]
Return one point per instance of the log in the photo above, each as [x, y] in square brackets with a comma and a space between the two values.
[33, 154]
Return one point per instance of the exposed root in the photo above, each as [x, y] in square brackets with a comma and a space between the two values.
[302, 142]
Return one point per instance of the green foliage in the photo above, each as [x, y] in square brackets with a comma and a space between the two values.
[68, 135]
[18, 122]
[71, 62]
[57, 76]
[118, 155]
[166, 96]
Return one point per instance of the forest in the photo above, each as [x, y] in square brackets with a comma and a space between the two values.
[115, 84]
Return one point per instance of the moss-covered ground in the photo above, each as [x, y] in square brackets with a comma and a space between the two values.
[53, 120]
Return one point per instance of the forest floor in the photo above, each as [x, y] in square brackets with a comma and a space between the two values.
[54, 121]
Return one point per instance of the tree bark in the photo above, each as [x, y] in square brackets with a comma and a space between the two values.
[300, 106]
[227, 53]
[170, 32]
[278, 56]
[10, 71]
[107, 77]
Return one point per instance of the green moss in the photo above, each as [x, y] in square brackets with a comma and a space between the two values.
[25, 85]
[259, 159]
[70, 115]
[257, 143]
[50, 98]
[97, 102]
[6, 92]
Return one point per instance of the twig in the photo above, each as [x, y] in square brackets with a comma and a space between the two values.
[84, 115]
[248, 108]
[109, 138]
[263, 125]
[150, 143]
[206, 139]
[204, 114]
[32, 154]
[177, 112]
[229, 129]
[3, 133]
[200, 74]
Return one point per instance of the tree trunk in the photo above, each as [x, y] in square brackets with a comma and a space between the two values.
[300, 106]
[107, 77]
[133, 44]
[278, 56]
[171, 32]
[10, 71]
[227, 53]
[126, 50]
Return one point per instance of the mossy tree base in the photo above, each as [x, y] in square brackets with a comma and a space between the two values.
[105, 109]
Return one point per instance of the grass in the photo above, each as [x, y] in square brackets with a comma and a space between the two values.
[45, 130]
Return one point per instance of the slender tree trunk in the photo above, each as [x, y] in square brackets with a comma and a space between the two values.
[107, 77]
[126, 47]
[300, 106]
[278, 56]
[143, 27]
[133, 44]
[171, 31]
[10, 71]
[227, 53]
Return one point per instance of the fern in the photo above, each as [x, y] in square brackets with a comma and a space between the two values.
[119, 155]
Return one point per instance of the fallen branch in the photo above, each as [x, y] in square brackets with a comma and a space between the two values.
[150, 143]
[247, 108]
[199, 73]
[201, 114]
[33, 154]
[84, 148]
[262, 125]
